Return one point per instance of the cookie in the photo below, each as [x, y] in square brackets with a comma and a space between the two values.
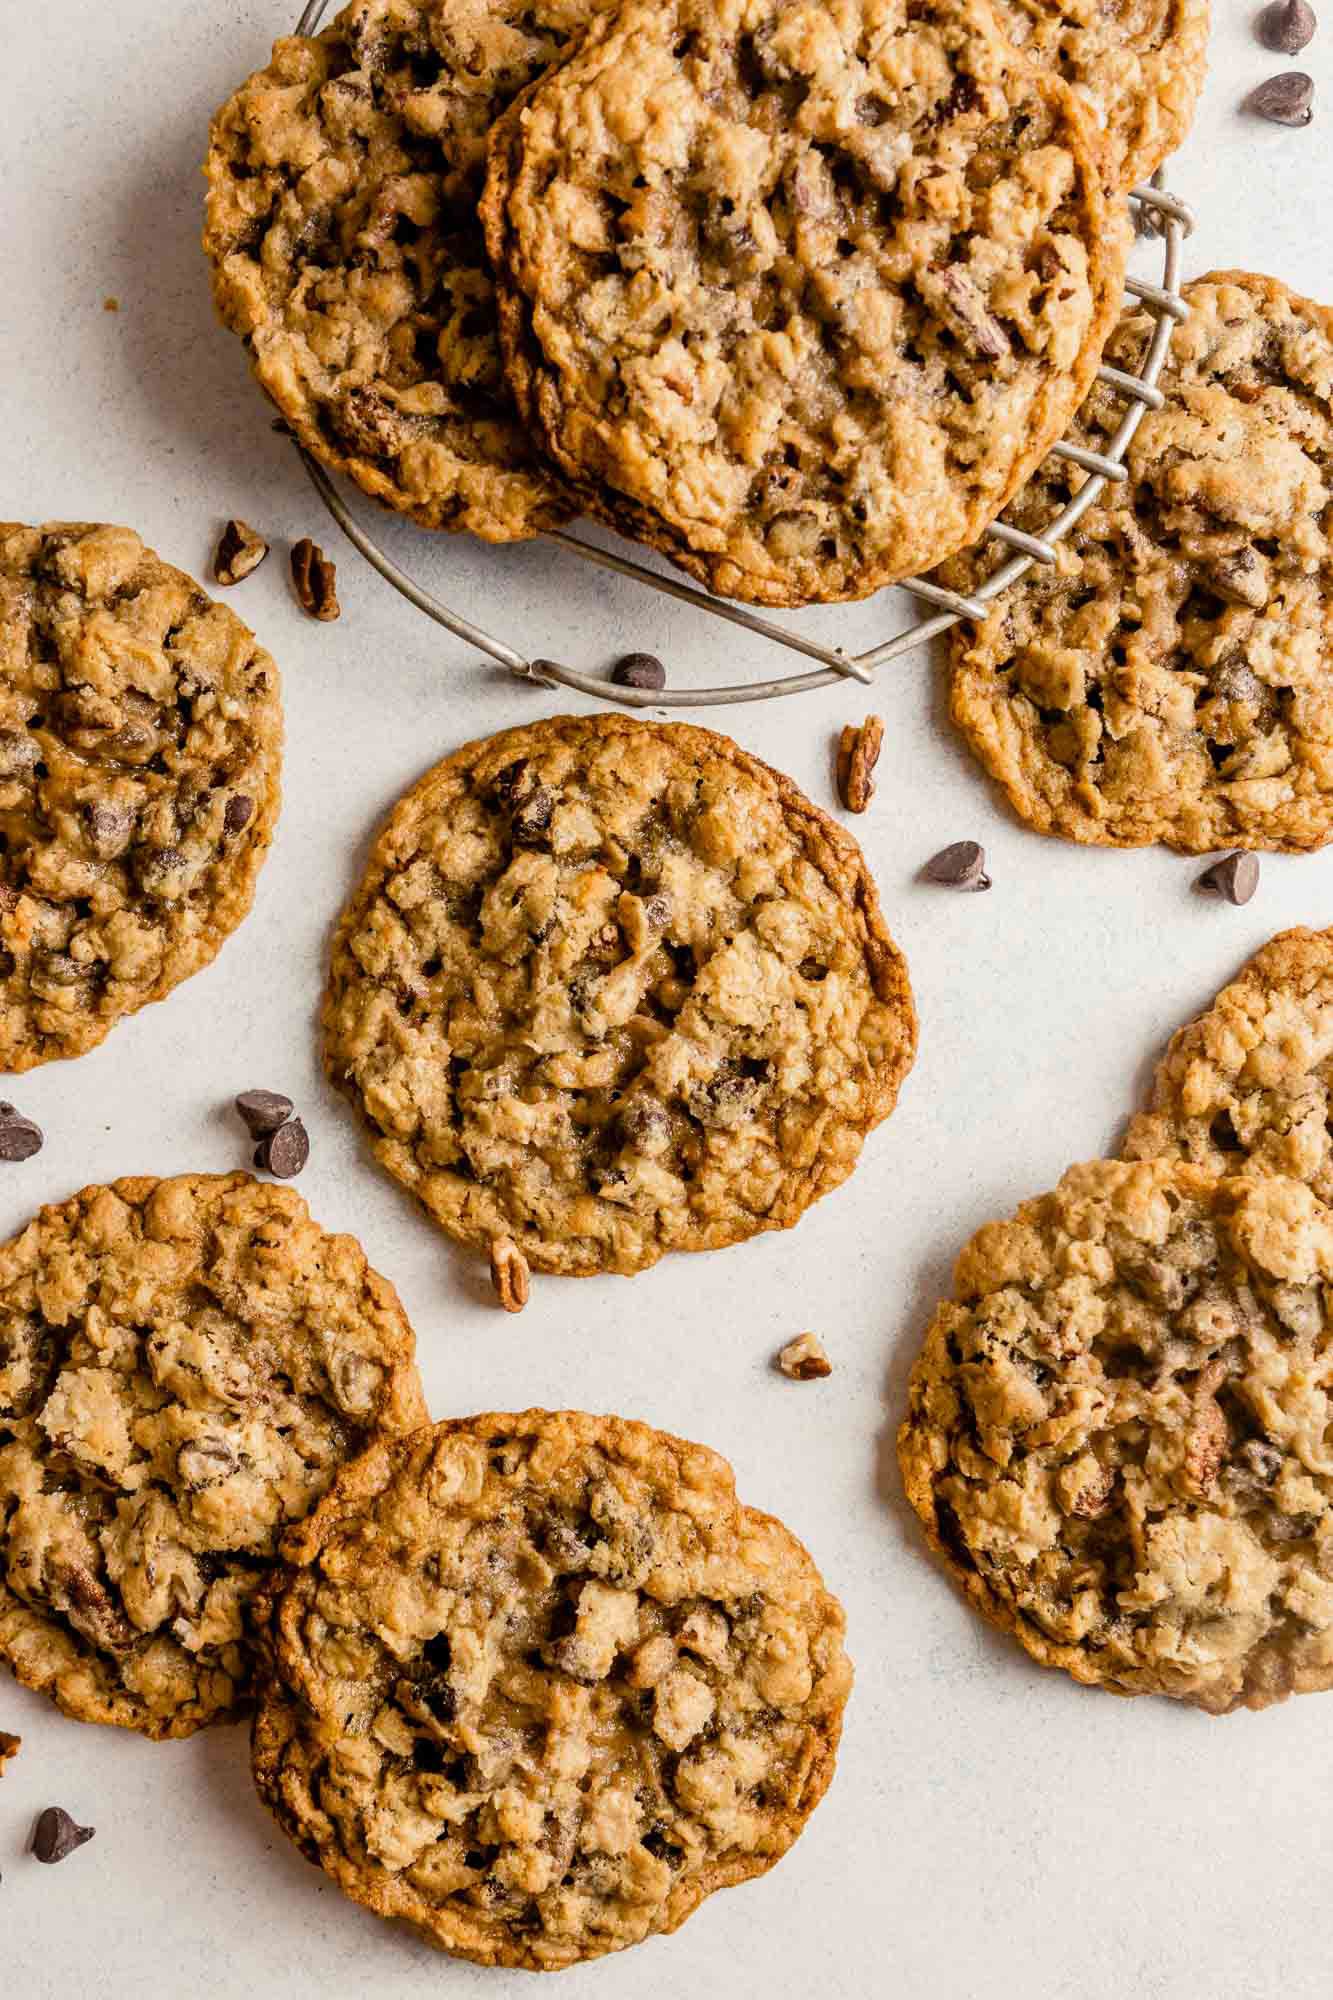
[1138, 64]
[1166, 680]
[345, 251]
[804, 294]
[1248, 1086]
[140, 763]
[539, 1684]
[183, 1366]
[611, 988]
[1115, 1432]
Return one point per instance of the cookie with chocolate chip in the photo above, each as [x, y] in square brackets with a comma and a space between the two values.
[140, 763]
[1115, 1432]
[1247, 1087]
[1166, 680]
[184, 1365]
[539, 1684]
[345, 250]
[800, 295]
[611, 988]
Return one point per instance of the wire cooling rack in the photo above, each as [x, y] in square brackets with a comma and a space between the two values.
[941, 609]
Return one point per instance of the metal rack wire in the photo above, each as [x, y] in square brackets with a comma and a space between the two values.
[1171, 216]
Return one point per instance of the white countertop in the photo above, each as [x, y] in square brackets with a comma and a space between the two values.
[992, 1830]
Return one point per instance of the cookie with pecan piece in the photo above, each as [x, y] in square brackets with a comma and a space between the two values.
[140, 766]
[611, 988]
[184, 1365]
[540, 1684]
[1116, 1432]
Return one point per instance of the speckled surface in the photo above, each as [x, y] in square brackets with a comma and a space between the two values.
[990, 1830]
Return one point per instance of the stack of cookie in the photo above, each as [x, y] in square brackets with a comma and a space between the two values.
[797, 295]
[1117, 1434]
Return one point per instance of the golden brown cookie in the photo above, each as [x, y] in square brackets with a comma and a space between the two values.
[1248, 1086]
[184, 1364]
[800, 296]
[611, 988]
[539, 1684]
[345, 250]
[1115, 1432]
[1167, 680]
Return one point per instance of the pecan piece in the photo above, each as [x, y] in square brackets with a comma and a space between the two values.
[239, 550]
[509, 1274]
[958, 300]
[858, 754]
[1241, 578]
[315, 580]
[9, 1747]
[804, 1359]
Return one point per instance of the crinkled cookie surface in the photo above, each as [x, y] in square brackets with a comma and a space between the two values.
[183, 1366]
[539, 1684]
[345, 248]
[1248, 1086]
[1139, 64]
[1168, 679]
[800, 292]
[615, 988]
[1116, 1432]
[140, 768]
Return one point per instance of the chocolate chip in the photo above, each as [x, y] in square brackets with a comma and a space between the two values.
[237, 815]
[1286, 26]
[56, 1835]
[109, 830]
[960, 866]
[639, 670]
[263, 1111]
[1284, 100]
[1235, 877]
[315, 580]
[239, 551]
[19, 1137]
[284, 1152]
[532, 817]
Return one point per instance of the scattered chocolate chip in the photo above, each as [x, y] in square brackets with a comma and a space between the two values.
[1235, 877]
[19, 1137]
[1284, 100]
[284, 1152]
[509, 1274]
[56, 1835]
[804, 1359]
[239, 550]
[959, 866]
[639, 670]
[315, 580]
[237, 815]
[1286, 26]
[263, 1111]
[858, 754]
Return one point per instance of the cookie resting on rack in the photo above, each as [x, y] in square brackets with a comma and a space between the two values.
[140, 766]
[800, 295]
[613, 988]
[184, 1364]
[1116, 1432]
[539, 1684]
[1167, 680]
[1248, 1086]
[345, 250]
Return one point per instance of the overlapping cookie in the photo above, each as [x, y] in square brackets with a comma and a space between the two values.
[612, 988]
[539, 1684]
[140, 764]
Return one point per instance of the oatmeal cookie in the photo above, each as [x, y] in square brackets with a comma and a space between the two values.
[611, 988]
[1167, 680]
[345, 250]
[184, 1364]
[539, 1685]
[1138, 64]
[140, 762]
[1116, 1432]
[1248, 1086]
[799, 295]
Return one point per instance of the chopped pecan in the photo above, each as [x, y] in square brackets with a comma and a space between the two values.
[509, 1274]
[315, 580]
[87, 1604]
[958, 300]
[239, 551]
[804, 1359]
[1240, 578]
[9, 1747]
[858, 754]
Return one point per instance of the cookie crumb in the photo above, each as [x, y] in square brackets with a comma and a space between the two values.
[858, 754]
[509, 1274]
[804, 1359]
[9, 1747]
[110, 305]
